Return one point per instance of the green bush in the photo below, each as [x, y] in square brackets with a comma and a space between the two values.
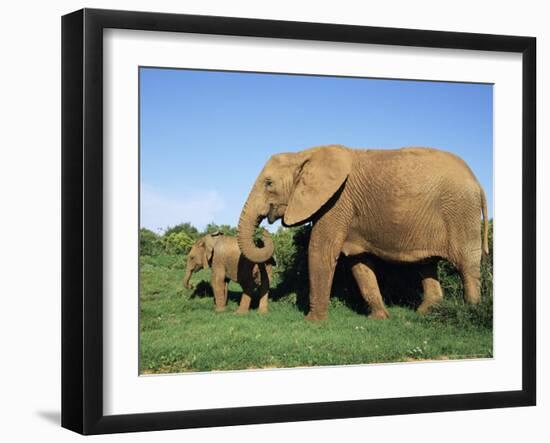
[285, 248]
[177, 243]
[453, 310]
[149, 242]
[186, 228]
[176, 240]
[291, 273]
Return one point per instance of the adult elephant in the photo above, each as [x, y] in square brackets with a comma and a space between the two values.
[222, 254]
[404, 205]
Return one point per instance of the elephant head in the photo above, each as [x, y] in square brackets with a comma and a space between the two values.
[294, 187]
[200, 256]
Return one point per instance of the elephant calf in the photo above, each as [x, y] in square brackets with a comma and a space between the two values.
[223, 255]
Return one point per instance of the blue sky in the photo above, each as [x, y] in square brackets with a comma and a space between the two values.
[205, 136]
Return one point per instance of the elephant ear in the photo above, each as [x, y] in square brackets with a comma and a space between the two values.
[207, 244]
[208, 249]
[203, 253]
[320, 174]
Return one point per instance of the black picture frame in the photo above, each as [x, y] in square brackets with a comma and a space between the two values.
[82, 218]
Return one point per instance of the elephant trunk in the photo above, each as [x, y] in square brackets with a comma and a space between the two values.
[187, 277]
[250, 219]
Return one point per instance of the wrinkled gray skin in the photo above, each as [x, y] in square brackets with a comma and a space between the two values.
[403, 205]
[222, 254]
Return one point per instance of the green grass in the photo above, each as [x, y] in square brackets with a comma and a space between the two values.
[181, 332]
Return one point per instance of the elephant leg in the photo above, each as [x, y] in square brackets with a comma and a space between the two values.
[262, 308]
[471, 288]
[368, 286]
[244, 306]
[246, 281]
[218, 285]
[432, 292]
[264, 290]
[470, 274]
[324, 248]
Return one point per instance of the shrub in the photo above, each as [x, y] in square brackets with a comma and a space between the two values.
[285, 248]
[177, 243]
[291, 272]
[453, 310]
[186, 228]
[149, 242]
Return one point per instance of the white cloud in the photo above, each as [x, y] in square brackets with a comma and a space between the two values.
[159, 210]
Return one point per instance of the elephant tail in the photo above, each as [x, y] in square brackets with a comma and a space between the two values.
[485, 222]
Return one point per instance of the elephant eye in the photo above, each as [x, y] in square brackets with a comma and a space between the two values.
[268, 182]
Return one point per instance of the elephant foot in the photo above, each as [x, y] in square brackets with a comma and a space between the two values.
[218, 309]
[315, 317]
[241, 311]
[262, 311]
[380, 314]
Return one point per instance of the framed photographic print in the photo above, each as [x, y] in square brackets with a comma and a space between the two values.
[269, 221]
